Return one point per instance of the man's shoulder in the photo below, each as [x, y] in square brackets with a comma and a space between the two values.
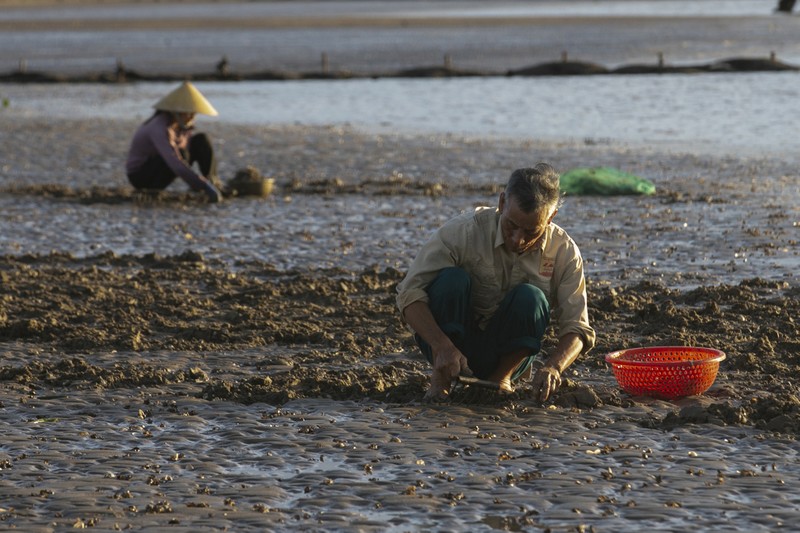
[468, 225]
[561, 232]
[559, 238]
[558, 230]
[485, 215]
[479, 215]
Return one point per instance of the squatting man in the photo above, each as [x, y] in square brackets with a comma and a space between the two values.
[481, 292]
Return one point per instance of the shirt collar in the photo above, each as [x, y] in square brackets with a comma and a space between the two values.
[498, 238]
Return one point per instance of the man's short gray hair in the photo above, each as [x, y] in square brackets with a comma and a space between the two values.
[535, 188]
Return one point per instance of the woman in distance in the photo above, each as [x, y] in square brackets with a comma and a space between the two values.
[166, 146]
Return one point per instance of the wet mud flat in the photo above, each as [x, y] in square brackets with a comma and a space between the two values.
[146, 391]
[212, 389]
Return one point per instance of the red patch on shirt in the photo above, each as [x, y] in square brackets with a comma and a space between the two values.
[546, 267]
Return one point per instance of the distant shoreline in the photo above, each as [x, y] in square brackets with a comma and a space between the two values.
[126, 40]
[554, 68]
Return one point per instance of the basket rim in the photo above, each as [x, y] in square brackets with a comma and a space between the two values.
[715, 356]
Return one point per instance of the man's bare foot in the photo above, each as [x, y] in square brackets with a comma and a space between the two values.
[505, 369]
[505, 385]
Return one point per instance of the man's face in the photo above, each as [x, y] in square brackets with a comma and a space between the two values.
[521, 230]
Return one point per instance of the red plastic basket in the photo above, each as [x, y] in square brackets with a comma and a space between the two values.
[666, 372]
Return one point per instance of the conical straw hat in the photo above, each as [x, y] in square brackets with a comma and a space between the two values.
[186, 99]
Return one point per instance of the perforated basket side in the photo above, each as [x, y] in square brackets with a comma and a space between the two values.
[665, 372]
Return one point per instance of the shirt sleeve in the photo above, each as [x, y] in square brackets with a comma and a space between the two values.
[572, 313]
[441, 251]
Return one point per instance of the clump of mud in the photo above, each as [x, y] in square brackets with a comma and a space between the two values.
[336, 334]
[752, 322]
[151, 303]
[104, 195]
[248, 182]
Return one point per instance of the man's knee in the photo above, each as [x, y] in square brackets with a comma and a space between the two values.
[450, 280]
[449, 301]
[526, 297]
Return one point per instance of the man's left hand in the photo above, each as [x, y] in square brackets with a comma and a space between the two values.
[545, 382]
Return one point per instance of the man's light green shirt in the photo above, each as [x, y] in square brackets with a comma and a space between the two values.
[474, 242]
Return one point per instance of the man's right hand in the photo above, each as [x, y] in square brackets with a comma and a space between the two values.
[448, 364]
[448, 361]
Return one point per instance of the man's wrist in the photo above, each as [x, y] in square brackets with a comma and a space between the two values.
[442, 344]
[539, 364]
[552, 368]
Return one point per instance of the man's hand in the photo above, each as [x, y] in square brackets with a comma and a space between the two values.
[545, 382]
[548, 378]
[448, 364]
[448, 361]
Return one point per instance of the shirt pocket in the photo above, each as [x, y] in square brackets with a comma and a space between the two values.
[485, 288]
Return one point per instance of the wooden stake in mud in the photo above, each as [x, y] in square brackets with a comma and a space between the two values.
[222, 66]
[324, 62]
[120, 72]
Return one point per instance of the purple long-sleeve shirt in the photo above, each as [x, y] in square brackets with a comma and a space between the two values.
[157, 137]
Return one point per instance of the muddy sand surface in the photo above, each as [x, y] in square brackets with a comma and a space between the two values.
[238, 385]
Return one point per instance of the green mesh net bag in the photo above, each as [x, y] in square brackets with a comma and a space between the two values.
[604, 181]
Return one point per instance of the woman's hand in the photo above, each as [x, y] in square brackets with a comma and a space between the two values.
[214, 194]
